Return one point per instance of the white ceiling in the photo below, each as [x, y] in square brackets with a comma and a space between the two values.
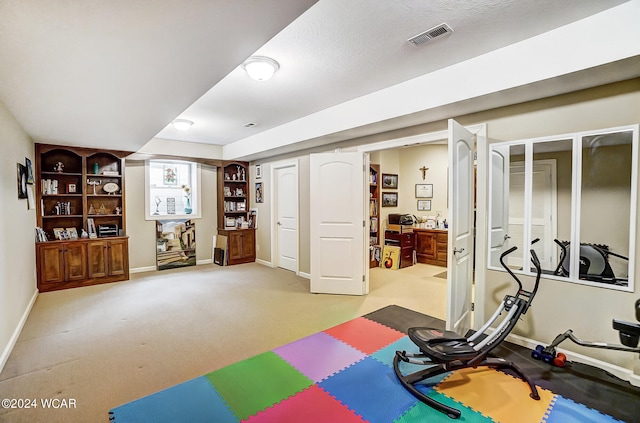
[115, 73]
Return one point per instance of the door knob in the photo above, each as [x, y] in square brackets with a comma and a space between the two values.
[278, 223]
[455, 250]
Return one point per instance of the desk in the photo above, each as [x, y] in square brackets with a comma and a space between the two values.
[431, 246]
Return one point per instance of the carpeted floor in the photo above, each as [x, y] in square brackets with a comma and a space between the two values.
[345, 374]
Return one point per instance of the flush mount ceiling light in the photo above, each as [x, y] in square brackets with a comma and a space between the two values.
[260, 68]
[182, 124]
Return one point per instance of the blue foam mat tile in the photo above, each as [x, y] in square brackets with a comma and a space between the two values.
[192, 401]
[370, 389]
[566, 411]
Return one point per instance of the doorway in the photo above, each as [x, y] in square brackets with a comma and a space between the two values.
[410, 174]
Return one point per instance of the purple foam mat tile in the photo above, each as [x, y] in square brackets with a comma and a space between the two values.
[319, 356]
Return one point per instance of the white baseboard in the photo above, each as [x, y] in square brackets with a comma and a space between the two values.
[621, 372]
[304, 275]
[264, 263]
[142, 269]
[205, 261]
[16, 333]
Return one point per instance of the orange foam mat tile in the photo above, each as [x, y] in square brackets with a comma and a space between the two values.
[502, 397]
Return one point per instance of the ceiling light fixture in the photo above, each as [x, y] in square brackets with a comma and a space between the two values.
[182, 124]
[260, 68]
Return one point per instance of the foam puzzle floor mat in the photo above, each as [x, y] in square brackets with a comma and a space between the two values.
[345, 374]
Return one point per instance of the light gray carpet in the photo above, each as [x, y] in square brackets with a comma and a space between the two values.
[106, 345]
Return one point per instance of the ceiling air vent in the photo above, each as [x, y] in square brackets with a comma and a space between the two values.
[250, 124]
[430, 34]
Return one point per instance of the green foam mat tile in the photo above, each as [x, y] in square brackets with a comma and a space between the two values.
[252, 385]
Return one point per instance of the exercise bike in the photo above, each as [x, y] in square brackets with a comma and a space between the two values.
[448, 351]
[594, 263]
[629, 337]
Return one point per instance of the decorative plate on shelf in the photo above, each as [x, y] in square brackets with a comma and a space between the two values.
[111, 187]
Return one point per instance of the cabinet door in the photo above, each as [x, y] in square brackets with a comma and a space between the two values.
[118, 257]
[426, 245]
[248, 244]
[235, 245]
[97, 259]
[75, 261]
[51, 263]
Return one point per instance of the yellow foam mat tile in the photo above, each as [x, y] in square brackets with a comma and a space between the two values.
[502, 397]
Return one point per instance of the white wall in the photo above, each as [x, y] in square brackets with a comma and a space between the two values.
[17, 254]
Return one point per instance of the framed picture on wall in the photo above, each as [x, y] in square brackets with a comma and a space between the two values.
[424, 205]
[258, 171]
[389, 199]
[389, 181]
[424, 190]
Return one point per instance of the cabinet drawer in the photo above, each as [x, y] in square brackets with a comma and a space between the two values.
[442, 256]
[442, 247]
[407, 240]
[442, 238]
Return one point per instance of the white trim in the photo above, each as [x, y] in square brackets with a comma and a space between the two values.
[16, 333]
[305, 275]
[265, 263]
[273, 200]
[143, 269]
[620, 372]
[204, 261]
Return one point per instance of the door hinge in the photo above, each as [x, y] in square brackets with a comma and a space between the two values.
[363, 279]
[473, 306]
[364, 224]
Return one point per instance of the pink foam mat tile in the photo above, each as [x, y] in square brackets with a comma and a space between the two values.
[364, 334]
[311, 405]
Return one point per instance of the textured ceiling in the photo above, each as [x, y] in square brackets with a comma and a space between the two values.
[115, 73]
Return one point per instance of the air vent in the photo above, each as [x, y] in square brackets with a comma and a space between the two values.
[250, 124]
[430, 34]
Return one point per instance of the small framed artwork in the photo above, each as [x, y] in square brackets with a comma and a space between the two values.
[389, 181]
[258, 171]
[259, 197]
[170, 174]
[171, 205]
[27, 163]
[389, 199]
[424, 190]
[72, 188]
[72, 233]
[59, 233]
[424, 205]
[22, 181]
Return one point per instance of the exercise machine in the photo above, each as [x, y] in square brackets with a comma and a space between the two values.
[594, 263]
[446, 351]
[629, 337]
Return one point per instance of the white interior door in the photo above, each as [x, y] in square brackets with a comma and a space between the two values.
[337, 228]
[286, 190]
[461, 230]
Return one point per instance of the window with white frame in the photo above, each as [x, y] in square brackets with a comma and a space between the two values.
[172, 189]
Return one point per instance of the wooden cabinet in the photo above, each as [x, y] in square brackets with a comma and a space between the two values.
[406, 242]
[62, 262]
[79, 189]
[108, 258]
[241, 245]
[431, 246]
[374, 215]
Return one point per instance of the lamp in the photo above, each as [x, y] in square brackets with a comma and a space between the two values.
[260, 68]
[182, 124]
